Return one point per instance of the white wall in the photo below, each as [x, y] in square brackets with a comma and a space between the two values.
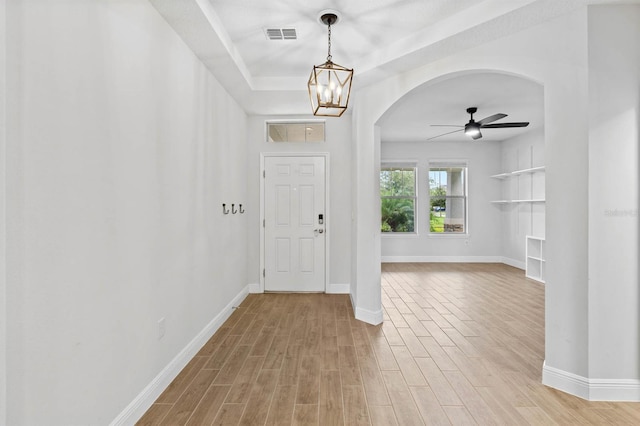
[553, 54]
[562, 55]
[121, 148]
[3, 228]
[566, 124]
[483, 241]
[614, 179]
[365, 207]
[338, 135]
[522, 219]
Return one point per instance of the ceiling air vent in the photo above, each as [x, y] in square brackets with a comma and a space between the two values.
[281, 33]
[289, 33]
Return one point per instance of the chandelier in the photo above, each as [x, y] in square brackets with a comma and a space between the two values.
[329, 84]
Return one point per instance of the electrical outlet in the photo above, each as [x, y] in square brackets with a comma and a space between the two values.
[161, 328]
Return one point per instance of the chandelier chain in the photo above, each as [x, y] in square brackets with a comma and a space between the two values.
[329, 43]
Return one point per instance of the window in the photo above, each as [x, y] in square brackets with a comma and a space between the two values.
[295, 131]
[447, 198]
[398, 199]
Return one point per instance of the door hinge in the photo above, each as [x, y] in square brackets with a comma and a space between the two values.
[264, 173]
[263, 225]
[263, 273]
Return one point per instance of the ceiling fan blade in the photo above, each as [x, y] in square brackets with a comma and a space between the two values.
[505, 125]
[448, 133]
[445, 125]
[491, 118]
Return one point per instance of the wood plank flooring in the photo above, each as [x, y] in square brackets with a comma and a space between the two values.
[461, 344]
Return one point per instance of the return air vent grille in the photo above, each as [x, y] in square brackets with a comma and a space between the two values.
[289, 34]
[281, 33]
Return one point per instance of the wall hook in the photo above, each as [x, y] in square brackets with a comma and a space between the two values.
[233, 209]
[225, 210]
[241, 210]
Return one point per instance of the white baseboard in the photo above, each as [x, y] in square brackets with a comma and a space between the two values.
[331, 288]
[141, 403]
[370, 317]
[614, 390]
[454, 259]
[591, 389]
[565, 381]
[338, 288]
[353, 303]
[442, 259]
[515, 263]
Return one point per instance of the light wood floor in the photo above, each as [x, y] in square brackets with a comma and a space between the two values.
[461, 344]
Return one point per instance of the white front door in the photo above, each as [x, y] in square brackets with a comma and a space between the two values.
[294, 203]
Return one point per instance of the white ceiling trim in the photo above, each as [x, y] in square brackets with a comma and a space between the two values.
[446, 28]
[203, 31]
[218, 27]
[459, 23]
[198, 25]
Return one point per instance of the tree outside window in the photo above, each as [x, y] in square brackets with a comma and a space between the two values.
[398, 199]
[447, 199]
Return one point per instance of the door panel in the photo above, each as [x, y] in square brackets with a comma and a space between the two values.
[307, 208]
[294, 199]
[283, 205]
[283, 254]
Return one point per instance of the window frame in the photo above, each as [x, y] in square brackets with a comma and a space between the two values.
[442, 164]
[310, 122]
[403, 165]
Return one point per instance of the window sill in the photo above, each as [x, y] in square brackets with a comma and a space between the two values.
[448, 235]
[399, 235]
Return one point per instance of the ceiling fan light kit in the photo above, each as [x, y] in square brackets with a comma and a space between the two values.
[472, 128]
[329, 84]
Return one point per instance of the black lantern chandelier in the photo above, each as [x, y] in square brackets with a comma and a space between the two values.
[329, 84]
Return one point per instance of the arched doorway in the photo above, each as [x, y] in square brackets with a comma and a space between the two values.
[372, 104]
[495, 209]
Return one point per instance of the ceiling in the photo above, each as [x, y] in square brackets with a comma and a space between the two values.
[377, 38]
[445, 102]
[364, 26]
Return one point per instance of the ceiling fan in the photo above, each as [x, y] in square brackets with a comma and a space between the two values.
[472, 128]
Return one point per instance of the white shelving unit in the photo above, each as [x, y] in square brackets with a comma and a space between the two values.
[514, 173]
[535, 258]
[518, 172]
[517, 201]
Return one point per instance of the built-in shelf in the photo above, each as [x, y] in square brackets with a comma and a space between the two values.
[515, 173]
[517, 201]
[535, 256]
[518, 172]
